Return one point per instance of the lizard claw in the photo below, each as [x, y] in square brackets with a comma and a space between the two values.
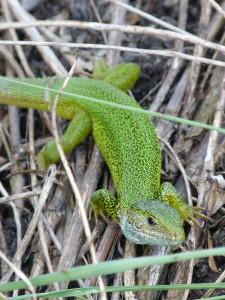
[97, 212]
[193, 212]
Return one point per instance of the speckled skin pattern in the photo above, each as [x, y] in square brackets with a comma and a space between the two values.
[128, 143]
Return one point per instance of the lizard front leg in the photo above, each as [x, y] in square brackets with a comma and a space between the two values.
[103, 200]
[169, 195]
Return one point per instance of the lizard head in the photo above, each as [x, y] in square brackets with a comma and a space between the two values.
[152, 223]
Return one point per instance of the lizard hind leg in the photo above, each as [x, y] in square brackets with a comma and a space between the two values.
[79, 127]
[101, 201]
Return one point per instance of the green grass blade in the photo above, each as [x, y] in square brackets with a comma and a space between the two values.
[93, 290]
[110, 267]
[121, 106]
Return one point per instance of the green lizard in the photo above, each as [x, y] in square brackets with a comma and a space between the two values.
[147, 212]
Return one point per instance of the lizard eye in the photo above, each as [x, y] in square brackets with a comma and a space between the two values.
[151, 221]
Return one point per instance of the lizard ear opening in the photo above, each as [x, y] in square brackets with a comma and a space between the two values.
[151, 221]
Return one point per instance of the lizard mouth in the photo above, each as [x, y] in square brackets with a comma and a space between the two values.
[139, 236]
[152, 223]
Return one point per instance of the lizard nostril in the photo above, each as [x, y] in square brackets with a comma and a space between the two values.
[151, 221]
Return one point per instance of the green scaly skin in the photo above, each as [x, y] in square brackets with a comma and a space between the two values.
[147, 212]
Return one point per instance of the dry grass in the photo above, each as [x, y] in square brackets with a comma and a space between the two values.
[192, 87]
